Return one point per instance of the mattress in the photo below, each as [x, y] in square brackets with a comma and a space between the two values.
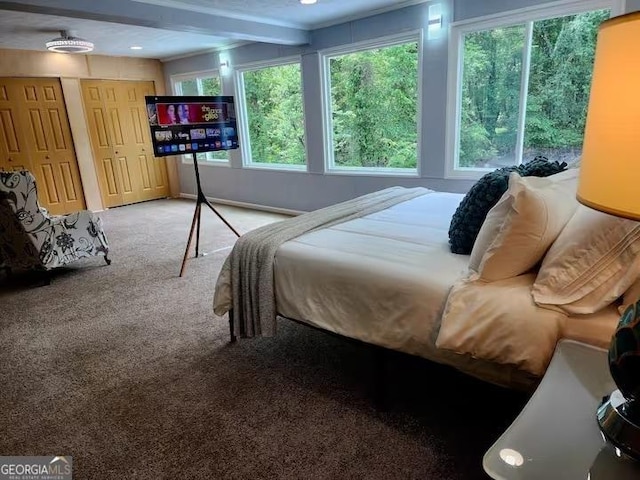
[383, 278]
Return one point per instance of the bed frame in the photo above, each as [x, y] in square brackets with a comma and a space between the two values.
[380, 360]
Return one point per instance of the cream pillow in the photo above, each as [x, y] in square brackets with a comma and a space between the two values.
[490, 229]
[593, 261]
[631, 296]
[499, 322]
[534, 210]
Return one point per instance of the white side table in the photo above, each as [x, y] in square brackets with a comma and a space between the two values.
[556, 436]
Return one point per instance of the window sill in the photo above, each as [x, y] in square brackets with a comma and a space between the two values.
[468, 173]
[188, 160]
[278, 167]
[373, 172]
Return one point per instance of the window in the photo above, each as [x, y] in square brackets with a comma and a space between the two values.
[203, 84]
[372, 103]
[273, 120]
[523, 88]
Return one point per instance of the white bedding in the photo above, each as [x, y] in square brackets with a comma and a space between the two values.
[499, 322]
[382, 279]
[385, 279]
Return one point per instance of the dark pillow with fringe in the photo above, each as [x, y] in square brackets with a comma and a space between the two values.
[484, 194]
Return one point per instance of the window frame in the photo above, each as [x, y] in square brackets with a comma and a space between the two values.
[325, 56]
[176, 88]
[243, 115]
[524, 16]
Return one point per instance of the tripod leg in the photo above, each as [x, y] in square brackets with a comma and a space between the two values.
[196, 218]
[232, 335]
[221, 217]
[198, 229]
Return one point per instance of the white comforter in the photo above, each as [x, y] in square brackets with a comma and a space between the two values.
[383, 278]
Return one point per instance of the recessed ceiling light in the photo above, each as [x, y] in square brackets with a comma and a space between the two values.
[136, 47]
[308, 2]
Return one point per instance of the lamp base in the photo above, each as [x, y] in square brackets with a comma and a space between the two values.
[619, 421]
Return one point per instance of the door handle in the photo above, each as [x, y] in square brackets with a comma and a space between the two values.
[46, 157]
[10, 159]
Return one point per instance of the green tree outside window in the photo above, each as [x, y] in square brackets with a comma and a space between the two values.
[561, 58]
[273, 98]
[374, 105]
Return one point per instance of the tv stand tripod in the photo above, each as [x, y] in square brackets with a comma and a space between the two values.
[195, 223]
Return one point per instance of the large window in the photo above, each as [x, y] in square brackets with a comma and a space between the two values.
[273, 116]
[373, 107]
[202, 84]
[523, 89]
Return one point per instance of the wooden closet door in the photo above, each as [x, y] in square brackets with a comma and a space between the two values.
[123, 148]
[49, 141]
[151, 172]
[127, 170]
[35, 135]
[13, 144]
[100, 125]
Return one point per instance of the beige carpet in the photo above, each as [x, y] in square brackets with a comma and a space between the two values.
[125, 368]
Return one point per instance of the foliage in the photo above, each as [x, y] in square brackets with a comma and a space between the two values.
[273, 98]
[374, 104]
[561, 63]
[190, 87]
[211, 86]
[374, 100]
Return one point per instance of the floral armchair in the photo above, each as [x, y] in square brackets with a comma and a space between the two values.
[30, 238]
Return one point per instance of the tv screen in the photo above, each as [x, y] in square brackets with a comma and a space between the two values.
[185, 124]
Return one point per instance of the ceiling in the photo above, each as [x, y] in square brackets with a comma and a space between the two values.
[170, 28]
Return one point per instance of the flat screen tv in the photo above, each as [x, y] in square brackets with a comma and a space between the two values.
[186, 124]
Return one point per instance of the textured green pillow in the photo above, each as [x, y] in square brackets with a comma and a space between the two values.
[485, 193]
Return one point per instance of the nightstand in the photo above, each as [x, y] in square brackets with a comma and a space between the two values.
[556, 436]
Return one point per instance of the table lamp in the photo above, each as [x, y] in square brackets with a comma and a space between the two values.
[610, 182]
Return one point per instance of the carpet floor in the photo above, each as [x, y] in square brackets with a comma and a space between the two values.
[125, 368]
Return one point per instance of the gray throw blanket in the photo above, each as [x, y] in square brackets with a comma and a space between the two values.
[251, 260]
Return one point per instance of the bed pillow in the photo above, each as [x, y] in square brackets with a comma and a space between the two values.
[523, 224]
[484, 194]
[593, 261]
[498, 322]
[631, 296]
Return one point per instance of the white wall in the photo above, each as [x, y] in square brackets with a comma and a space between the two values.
[633, 5]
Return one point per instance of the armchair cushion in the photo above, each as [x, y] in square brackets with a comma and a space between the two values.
[31, 238]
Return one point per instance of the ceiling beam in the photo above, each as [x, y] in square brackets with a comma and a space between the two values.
[143, 15]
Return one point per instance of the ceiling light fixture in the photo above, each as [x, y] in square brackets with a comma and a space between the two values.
[308, 2]
[136, 47]
[67, 43]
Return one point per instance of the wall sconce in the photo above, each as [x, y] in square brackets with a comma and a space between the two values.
[434, 22]
[225, 65]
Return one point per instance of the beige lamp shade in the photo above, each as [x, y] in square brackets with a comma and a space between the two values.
[610, 165]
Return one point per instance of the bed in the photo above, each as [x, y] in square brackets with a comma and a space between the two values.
[386, 276]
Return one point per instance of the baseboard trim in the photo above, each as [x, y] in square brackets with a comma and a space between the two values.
[252, 206]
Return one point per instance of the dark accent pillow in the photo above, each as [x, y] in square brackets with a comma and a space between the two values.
[484, 194]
